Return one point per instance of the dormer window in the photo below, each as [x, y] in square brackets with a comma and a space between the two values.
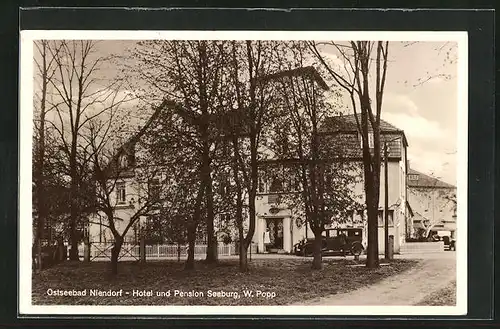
[413, 177]
[123, 161]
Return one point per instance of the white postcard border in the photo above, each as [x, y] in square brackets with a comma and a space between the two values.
[26, 307]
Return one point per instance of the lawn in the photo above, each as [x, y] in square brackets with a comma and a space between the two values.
[269, 282]
[443, 297]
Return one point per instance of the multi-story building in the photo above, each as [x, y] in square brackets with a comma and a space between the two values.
[285, 230]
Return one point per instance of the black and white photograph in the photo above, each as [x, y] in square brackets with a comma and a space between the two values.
[256, 172]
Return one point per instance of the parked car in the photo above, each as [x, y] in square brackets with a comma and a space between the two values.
[449, 243]
[335, 241]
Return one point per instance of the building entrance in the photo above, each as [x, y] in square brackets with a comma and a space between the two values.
[274, 234]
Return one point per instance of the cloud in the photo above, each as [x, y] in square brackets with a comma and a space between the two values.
[431, 147]
[415, 127]
[399, 103]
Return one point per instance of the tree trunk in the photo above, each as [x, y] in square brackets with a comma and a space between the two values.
[372, 259]
[211, 239]
[243, 257]
[39, 257]
[40, 163]
[86, 256]
[252, 193]
[209, 200]
[191, 229]
[371, 166]
[73, 252]
[191, 235]
[115, 253]
[317, 263]
[243, 248]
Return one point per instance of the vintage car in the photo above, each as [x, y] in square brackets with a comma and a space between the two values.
[334, 241]
[449, 243]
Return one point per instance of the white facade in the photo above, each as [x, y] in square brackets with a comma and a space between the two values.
[270, 212]
[124, 198]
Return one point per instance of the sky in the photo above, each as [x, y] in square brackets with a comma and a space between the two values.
[420, 98]
[426, 112]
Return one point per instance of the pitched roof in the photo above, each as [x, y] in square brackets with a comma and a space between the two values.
[424, 180]
[128, 148]
[306, 71]
[348, 122]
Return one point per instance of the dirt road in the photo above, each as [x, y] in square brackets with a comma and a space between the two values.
[431, 274]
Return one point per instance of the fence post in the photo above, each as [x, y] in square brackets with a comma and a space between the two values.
[158, 250]
[142, 249]
[86, 250]
[390, 250]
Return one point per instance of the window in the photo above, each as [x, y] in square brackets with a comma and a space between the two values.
[123, 161]
[350, 217]
[154, 189]
[276, 185]
[370, 140]
[120, 193]
[225, 185]
[402, 183]
[273, 198]
[352, 233]
[413, 177]
[261, 186]
[360, 217]
[224, 220]
[293, 182]
[381, 218]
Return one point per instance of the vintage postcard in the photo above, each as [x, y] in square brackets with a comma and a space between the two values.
[243, 173]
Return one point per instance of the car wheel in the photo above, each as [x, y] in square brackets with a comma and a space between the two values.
[308, 252]
[356, 249]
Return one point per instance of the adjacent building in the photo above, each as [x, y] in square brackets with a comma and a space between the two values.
[434, 205]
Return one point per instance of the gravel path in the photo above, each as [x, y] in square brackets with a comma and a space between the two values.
[404, 289]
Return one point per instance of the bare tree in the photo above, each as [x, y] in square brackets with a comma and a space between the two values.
[127, 178]
[249, 65]
[356, 77]
[79, 93]
[191, 74]
[304, 144]
[170, 145]
[45, 69]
